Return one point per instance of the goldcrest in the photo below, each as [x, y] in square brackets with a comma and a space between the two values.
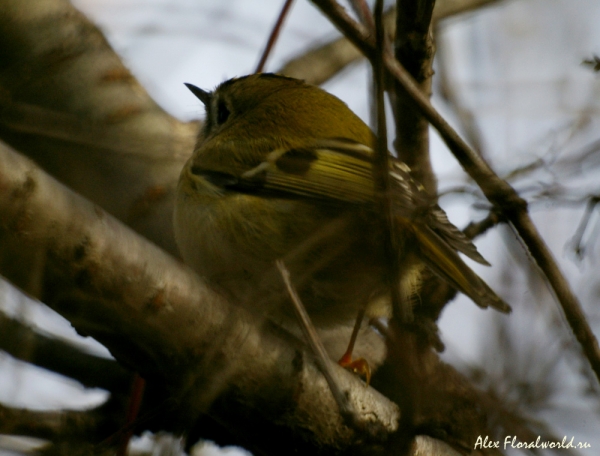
[284, 170]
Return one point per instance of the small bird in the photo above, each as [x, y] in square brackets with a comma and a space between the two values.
[283, 170]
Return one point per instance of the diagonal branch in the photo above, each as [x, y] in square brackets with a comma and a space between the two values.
[22, 342]
[325, 61]
[50, 425]
[498, 191]
[156, 316]
[273, 36]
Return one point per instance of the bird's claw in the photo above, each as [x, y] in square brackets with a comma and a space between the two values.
[359, 366]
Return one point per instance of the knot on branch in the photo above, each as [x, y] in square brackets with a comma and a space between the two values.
[508, 202]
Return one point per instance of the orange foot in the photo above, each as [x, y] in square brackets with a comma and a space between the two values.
[359, 366]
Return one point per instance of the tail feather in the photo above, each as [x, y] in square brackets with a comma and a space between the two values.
[445, 261]
[439, 223]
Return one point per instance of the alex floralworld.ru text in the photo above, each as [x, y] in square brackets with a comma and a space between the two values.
[512, 442]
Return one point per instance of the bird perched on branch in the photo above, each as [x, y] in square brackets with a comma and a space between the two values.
[284, 170]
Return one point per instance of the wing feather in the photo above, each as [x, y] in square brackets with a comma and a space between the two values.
[339, 171]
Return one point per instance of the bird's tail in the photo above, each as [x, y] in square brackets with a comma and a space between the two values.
[442, 259]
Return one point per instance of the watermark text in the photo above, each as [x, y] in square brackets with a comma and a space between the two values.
[511, 441]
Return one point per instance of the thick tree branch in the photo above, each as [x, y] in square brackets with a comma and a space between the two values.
[156, 316]
[69, 103]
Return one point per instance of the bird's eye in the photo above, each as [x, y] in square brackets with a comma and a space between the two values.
[222, 113]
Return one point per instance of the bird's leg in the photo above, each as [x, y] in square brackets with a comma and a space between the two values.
[359, 366]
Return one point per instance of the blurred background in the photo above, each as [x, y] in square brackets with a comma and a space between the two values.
[511, 77]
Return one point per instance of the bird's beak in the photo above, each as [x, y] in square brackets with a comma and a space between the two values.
[202, 95]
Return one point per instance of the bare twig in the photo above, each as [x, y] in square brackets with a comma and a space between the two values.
[273, 36]
[593, 63]
[23, 343]
[320, 354]
[570, 305]
[448, 8]
[402, 310]
[323, 62]
[475, 229]
[577, 240]
[53, 425]
[361, 9]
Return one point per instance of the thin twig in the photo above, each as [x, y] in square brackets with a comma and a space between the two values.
[325, 61]
[357, 33]
[475, 229]
[577, 240]
[52, 425]
[402, 311]
[448, 8]
[361, 8]
[321, 357]
[22, 342]
[274, 34]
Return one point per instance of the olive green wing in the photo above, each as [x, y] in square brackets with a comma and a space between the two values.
[340, 171]
[337, 171]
